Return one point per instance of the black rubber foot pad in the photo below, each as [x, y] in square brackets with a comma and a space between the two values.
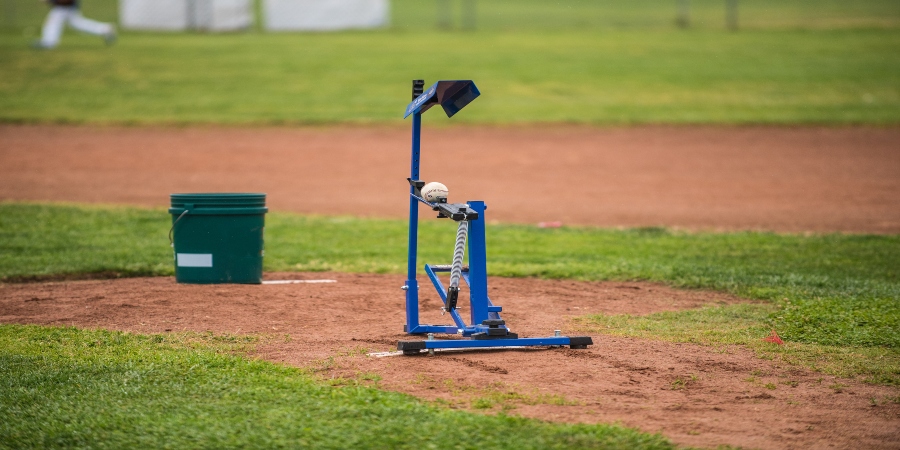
[410, 345]
[580, 342]
[485, 336]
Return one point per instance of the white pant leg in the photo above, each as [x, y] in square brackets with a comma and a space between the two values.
[83, 24]
[54, 23]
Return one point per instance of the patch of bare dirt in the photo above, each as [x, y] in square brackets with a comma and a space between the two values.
[793, 179]
[694, 395]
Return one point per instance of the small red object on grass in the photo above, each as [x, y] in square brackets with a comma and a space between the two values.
[773, 338]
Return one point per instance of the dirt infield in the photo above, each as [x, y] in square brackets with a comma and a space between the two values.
[695, 395]
[769, 178]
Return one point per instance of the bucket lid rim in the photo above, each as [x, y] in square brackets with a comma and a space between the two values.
[217, 194]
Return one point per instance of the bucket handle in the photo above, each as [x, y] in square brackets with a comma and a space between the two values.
[171, 241]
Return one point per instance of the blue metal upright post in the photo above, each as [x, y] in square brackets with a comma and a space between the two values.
[412, 286]
[478, 289]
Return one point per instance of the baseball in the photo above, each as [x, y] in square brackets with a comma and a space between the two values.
[435, 192]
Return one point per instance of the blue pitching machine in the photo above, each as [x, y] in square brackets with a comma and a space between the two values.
[486, 329]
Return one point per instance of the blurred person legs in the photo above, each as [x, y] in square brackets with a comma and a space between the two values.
[60, 15]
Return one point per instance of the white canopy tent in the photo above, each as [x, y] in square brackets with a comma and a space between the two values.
[325, 15]
[178, 15]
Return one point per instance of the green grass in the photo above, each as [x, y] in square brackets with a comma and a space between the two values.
[564, 72]
[38, 240]
[524, 15]
[832, 294]
[746, 324]
[65, 388]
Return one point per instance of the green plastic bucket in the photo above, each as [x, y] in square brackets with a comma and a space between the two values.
[218, 238]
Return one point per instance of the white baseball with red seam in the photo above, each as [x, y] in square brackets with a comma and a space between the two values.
[435, 192]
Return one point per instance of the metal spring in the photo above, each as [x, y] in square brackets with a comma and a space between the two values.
[456, 271]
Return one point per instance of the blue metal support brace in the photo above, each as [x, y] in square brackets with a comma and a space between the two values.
[442, 292]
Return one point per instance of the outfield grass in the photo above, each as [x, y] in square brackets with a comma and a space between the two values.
[592, 75]
[526, 15]
[835, 298]
[69, 388]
